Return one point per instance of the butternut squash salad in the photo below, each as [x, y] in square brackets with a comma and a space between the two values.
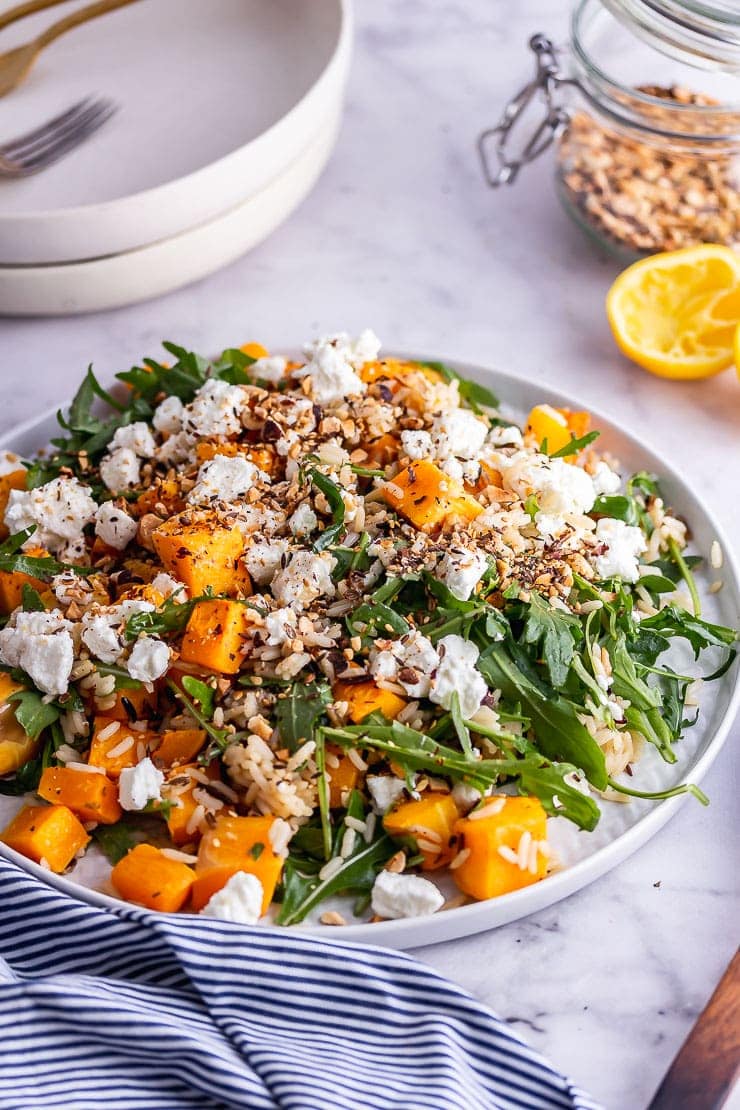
[277, 631]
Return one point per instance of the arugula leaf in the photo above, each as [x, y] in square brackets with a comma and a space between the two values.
[378, 619]
[26, 779]
[674, 621]
[555, 632]
[618, 506]
[477, 396]
[182, 379]
[463, 733]
[299, 712]
[115, 841]
[575, 445]
[200, 692]
[32, 713]
[685, 572]
[560, 735]
[15, 560]
[333, 495]
[219, 736]
[303, 890]
[30, 600]
[547, 782]
[655, 795]
[172, 616]
[232, 367]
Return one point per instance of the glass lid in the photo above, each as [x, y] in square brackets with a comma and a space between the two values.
[704, 33]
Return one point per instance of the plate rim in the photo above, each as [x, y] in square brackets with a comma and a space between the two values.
[471, 919]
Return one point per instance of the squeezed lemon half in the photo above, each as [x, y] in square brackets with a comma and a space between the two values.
[676, 314]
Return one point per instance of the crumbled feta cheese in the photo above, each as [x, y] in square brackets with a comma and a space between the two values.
[286, 441]
[510, 436]
[280, 626]
[224, 478]
[215, 410]
[453, 468]
[357, 351]
[140, 785]
[331, 366]
[303, 521]
[457, 674]
[136, 437]
[417, 445]
[269, 369]
[606, 481]
[385, 791]
[120, 470]
[240, 900]
[41, 645]
[148, 660]
[397, 896]
[263, 560]
[167, 416]
[465, 796]
[410, 661]
[114, 526]
[460, 433]
[461, 571]
[60, 510]
[99, 627]
[306, 577]
[101, 638]
[168, 586]
[561, 489]
[625, 544]
[253, 518]
[175, 450]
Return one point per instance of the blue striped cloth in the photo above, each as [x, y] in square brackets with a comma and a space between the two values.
[138, 1011]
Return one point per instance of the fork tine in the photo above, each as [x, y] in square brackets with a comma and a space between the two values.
[72, 138]
[52, 137]
[15, 146]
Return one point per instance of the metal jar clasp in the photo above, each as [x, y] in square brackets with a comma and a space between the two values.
[495, 142]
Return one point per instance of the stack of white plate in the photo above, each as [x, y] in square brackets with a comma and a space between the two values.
[228, 111]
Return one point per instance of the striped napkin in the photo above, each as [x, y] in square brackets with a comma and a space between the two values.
[131, 1009]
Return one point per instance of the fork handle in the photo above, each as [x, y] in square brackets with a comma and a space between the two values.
[22, 10]
[74, 19]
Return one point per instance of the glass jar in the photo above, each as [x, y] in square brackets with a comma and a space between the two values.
[644, 110]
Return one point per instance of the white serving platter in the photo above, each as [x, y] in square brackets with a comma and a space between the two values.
[121, 279]
[215, 101]
[623, 827]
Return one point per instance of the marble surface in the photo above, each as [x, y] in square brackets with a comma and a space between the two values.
[402, 234]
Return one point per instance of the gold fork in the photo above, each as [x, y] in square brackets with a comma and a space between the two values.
[15, 64]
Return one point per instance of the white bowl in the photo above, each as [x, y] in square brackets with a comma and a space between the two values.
[216, 101]
[138, 275]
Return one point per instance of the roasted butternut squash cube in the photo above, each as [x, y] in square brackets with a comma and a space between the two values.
[396, 368]
[556, 426]
[50, 835]
[13, 581]
[201, 553]
[497, 843]
[14, 479]
[140, 701]
[148, 877]
[429, 498]
[179, 788]
[166, 492]
[364, 698]
[343, 778]
[113, 749]
[15, 745]
[266, 458]
[429, 823]
[236, 844]
[90, 795]
[214, 637]
[382, 451]
[179, 746]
